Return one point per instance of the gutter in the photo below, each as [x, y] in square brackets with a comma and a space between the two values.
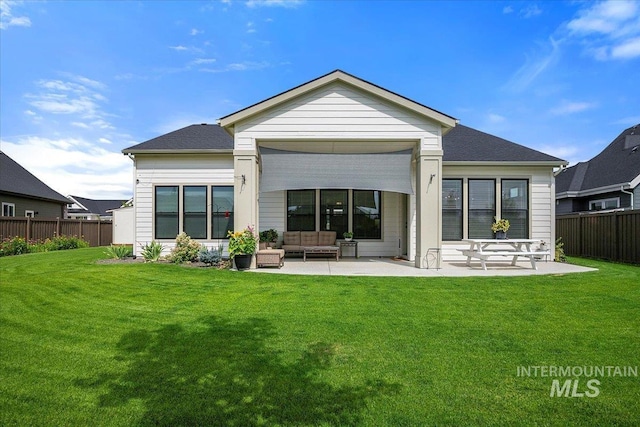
[627, 192]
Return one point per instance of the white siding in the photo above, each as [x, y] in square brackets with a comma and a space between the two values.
[337, 111]
[541, 199]
[152, 170]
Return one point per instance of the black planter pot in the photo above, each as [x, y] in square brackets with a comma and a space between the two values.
[243, 262]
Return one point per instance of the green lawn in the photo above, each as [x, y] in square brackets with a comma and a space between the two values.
[89, 344]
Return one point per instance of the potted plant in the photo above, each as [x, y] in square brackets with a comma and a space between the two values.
[242, 246]
[270, 237]
[348, 235]
[500, 227]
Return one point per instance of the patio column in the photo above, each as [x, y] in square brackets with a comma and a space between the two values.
[245, 190]
[428, 199]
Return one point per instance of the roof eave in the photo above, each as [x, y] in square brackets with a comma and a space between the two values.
[446, 121]
[180, 151]
[553, 163]
[30, 196]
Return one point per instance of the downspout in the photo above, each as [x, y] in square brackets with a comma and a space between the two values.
[627, 192]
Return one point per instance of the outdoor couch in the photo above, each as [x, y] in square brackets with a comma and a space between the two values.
[296, 241]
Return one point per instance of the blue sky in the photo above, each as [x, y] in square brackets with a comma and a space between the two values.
[82, 80]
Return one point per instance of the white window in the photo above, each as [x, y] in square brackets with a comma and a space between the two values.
[30, 214]
[598, 205]
[8, 209]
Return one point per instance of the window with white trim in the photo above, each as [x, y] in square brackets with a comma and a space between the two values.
[599, 205]
[29, 214]
[8, 209]
[452, 214]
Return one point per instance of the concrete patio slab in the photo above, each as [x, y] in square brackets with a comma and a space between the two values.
[403, 268]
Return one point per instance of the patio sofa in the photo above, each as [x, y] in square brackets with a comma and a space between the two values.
[297, 241]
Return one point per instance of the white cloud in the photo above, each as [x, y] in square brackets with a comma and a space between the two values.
[627, 49]
[104, 141]
[200, 61]
[238, 66]
[179, 48]
[609, 30]
[495, 118]
[571, 107]
[195, 32]
[530, 11]
[507, 10]
[534, 66]
[73, 166]
[7, 18]
[274, 3]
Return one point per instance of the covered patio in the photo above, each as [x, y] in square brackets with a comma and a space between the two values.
[381, 266]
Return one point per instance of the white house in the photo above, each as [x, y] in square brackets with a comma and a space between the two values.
[340, 153]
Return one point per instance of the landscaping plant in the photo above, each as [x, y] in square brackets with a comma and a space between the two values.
[242, 242]
[186, 250]
[118, 252]
[151, 252]
[211, 256]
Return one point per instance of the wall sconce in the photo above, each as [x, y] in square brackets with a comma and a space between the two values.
[433, 175]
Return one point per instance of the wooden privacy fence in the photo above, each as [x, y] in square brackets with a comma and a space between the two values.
[97, 233]
[613, 236]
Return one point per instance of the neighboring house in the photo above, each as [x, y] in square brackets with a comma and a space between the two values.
[610, 180]
[22, 194]
[343, 154]
[83, 208]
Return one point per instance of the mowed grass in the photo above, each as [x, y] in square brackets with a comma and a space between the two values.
[91, 344]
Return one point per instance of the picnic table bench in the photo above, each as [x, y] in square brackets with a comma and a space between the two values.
[515, 248]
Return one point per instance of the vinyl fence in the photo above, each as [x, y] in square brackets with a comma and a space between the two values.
[613, 236]
[97, 233]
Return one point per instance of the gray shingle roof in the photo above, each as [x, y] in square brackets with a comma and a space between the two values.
[193, 137]
[465, 144]
[17, 180]
[618, 163]
[96, 206]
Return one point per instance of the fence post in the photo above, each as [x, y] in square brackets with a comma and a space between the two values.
[28, 230]
[80, 229]
[99, 230]
[58, 226]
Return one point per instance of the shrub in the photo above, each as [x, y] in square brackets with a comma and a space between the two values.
[269, 236]
[59, 243]
[118, 252]
[560, 256]
[14, 246]
[211, 256]
[186, 250]
[151, 252]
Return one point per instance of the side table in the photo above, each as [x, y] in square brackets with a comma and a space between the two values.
[352, 243]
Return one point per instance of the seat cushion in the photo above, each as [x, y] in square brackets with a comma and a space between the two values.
[326, 238]
[291, 238]
[308, 238]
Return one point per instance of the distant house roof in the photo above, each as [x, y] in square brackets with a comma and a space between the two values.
[193, 138]
[99, 207]
[17, 180]
[464, 144]
[617, 164]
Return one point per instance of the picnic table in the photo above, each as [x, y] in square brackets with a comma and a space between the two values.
[483, 249]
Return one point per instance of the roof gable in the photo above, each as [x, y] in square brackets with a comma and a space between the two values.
[95, 206]
[17, 180]
[336, 76]
[465, 144]
[194, 138]
[617, 164]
